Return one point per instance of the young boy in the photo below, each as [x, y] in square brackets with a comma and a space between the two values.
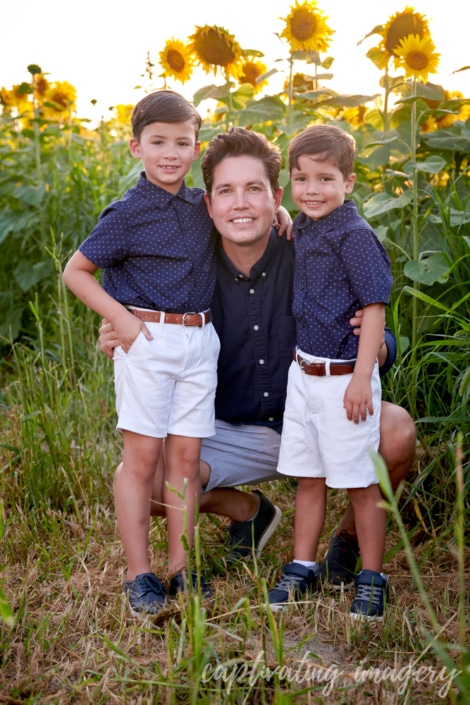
[157, 250]
[332, 415]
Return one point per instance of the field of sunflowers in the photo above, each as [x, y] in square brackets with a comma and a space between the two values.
[65, 636]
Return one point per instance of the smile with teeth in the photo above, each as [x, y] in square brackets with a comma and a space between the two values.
[242, 220]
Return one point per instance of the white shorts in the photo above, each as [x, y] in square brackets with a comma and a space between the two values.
[318, 440]
[167, 385]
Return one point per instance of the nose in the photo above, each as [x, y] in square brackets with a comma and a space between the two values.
[312, 187]
[239, 199]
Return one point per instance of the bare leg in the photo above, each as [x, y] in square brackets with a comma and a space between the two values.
[310, 504]
[182, 474]
[397, 448]
[370, 525]
[132, 493]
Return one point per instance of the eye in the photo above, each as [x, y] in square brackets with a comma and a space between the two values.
[255, 189]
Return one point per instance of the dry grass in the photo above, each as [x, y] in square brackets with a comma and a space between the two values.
[74, 641]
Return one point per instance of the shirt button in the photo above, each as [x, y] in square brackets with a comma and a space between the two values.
[271, 418]
[261, 362]
[265, 394]
[255, 327]
[252, 291]
[263, 274]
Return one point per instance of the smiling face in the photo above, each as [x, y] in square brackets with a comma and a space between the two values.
[318, 187]
[167, 150]
[242, 203]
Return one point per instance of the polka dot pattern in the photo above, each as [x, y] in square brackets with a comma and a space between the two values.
[157, 249]
[341, 266]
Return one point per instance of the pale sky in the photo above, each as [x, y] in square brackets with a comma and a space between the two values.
[100, 46]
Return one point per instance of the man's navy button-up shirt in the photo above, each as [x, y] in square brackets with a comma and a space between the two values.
[254, 321]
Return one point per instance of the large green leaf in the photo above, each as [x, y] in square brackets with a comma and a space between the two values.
[431, 165]
[28, 275]
[428, 270]
[382, 203]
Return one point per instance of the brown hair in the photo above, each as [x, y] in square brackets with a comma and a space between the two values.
[238, 142]
[163, 106]
[325, 142]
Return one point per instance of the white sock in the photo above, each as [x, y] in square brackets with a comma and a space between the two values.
[311, 565]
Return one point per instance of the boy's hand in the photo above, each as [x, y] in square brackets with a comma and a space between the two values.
[108, 339]
[283, 223]
[130, 326]
[358, 399]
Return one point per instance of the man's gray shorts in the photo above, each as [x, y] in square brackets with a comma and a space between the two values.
[241, 455]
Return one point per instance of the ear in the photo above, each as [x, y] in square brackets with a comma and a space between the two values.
[197, 151]
[208, 204]
[349, 183]
[134, 146]
[277, 199]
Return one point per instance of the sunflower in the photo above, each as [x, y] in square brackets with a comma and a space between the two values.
[250, 71]
[306, 28]
[41, 84]
[214, 47]
[401, 25]
[63, 96]
[417, 56]
[176, 60]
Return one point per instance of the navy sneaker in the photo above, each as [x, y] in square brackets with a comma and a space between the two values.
[186, 584]
[145, 594]
[338, 567]
[371, 596]
[253, 534]
[297, 581]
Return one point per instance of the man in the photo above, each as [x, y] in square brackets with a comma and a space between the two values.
[252, 313]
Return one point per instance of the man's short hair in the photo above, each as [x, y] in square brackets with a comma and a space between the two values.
[163, 106]
[325, 142]
[238, 142]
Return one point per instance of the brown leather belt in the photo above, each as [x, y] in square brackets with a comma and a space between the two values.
[319, 369]
[182, 319]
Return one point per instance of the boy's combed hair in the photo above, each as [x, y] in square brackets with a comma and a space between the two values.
[238, 142]
[325, 142]
[163, 106]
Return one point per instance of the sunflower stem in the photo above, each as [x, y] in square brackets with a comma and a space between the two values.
[415, 234]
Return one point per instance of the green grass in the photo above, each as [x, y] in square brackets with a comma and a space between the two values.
[62, 567]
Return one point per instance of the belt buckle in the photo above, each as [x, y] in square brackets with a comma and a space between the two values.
[188, 313]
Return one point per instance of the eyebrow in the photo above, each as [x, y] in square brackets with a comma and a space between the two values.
[255, 182]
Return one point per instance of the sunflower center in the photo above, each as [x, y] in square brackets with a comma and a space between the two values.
[175, 60]
[416, 60]
[303, 24]
[400, 28]
[213, 49]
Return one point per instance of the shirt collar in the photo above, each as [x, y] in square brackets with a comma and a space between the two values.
[340, 215]
[261, 266]
[162, 198]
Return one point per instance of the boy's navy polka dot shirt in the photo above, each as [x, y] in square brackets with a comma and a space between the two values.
[157, 249]
[341, 266]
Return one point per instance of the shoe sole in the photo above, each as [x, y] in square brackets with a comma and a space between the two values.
[358, 617]
[339, 588]
[269, 531]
